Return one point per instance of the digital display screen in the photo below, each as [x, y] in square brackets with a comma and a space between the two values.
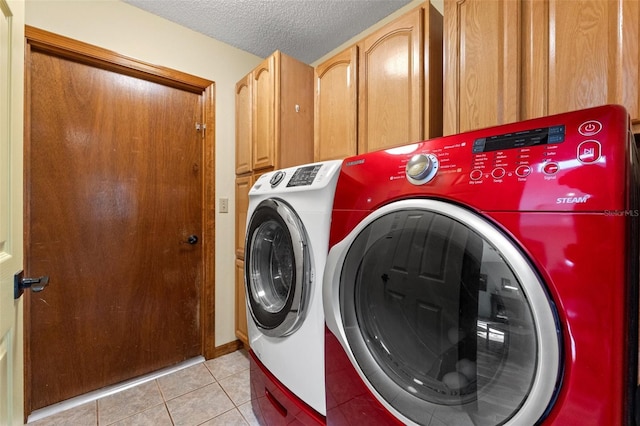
[304, 175]
[526, 138]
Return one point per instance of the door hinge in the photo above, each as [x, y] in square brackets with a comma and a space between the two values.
[201, 127]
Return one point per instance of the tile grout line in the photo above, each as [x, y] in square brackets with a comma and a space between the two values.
[166, 407]
[164, 402]
[159, 389]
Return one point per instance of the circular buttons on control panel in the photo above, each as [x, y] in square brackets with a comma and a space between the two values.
[498, 173]
[475, 174]
[276, 178]
[523, 171]
[421, 168]
[550, 168]
[590, 128]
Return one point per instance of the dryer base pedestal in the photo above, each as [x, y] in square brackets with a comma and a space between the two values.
[273, 403]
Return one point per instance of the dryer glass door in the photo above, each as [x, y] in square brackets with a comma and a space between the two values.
[445, 318]
[276, 268]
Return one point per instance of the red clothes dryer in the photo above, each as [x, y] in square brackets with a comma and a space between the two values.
[488, 278]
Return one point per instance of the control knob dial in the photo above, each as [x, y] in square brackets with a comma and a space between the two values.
[421, 168]
[276, 178]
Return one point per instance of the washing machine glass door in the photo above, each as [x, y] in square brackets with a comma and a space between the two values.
[277, 268]
[446, 319]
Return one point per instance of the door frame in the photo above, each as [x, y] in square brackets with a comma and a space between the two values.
[50, 43]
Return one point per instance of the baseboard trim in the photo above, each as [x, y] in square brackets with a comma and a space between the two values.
[227, 348]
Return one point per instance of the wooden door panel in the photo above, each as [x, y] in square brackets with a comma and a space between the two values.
[115, 190]
[241, 304]
[482, 69]
[243, 185]
[628, 60]
[594, 51]
[580, 48]
[336, 106]
[264, 90]
[243, 125]
[390, 80]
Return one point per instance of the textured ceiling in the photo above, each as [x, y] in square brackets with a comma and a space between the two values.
[304, 29]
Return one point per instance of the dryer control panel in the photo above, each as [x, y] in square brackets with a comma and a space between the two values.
[577, 161]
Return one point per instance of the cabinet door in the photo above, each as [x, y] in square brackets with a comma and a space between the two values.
[243, 185]
[243, 125]
[241, 305]
[391, 85]
[336, 107]
[482, 64]
[264, 92]
[588, 49]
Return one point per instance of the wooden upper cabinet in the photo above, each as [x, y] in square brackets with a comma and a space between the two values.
[515, 60]
[384, 91]
[263, 105]
[243, 125]
[294, 118]
[592, 54]
[390, 84]
[481, 83]
[282, 113]
[629, 60]
[336, 106]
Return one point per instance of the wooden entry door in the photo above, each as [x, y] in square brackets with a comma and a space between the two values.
[114, 193]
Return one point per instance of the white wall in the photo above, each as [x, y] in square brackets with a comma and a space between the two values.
[129, 31]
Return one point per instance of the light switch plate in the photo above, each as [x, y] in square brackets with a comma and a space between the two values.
[223, 205]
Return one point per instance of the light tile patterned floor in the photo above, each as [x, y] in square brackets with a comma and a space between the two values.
[214, 392]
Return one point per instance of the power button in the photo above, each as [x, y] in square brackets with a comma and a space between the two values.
[590, 128]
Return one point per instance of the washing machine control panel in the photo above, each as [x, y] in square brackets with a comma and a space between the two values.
[520, 139]
[304, 176]
[565, 162]
[513, 154]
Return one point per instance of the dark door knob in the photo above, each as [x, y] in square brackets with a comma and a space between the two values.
[192, 239]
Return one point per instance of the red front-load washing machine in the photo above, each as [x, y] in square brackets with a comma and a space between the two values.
[488, 278]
